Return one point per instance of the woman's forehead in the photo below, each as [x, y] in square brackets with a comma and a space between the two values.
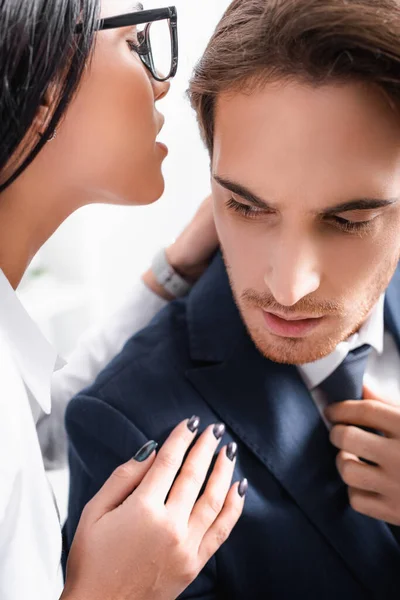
[110, 8]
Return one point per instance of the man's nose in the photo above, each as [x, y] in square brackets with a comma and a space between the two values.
[293, 272]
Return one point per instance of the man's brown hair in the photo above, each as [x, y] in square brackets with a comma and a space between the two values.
[312, 41]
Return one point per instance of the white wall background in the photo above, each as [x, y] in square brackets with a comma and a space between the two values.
[94, 257]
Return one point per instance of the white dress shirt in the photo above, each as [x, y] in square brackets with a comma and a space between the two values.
[30, 535]
[382, 374]
[92, 354]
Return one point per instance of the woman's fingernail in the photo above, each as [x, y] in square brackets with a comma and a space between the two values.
[146, 450]
[219, 430]
[193, 424]
[231, 451]
[243, 487]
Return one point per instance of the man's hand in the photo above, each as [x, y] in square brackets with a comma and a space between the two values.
[374, 490]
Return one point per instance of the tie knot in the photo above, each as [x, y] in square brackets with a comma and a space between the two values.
[346, 382]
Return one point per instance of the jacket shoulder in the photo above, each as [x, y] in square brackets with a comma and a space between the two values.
[148, 377]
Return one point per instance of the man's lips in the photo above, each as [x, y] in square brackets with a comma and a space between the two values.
[293, 326]
[293, 317]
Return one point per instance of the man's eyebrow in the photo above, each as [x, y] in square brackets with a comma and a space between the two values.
[243, 192]
[360, 204]
[357, 204]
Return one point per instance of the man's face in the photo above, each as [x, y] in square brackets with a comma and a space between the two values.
[306, 184]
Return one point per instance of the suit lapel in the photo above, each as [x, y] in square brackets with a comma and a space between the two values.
[269, 408]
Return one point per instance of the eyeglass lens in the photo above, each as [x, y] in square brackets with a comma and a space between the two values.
[158, 37]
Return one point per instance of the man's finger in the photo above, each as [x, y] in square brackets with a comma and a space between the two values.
[370, 504]
[359, 475]
[367, 413]
[361, 443]
[368, 394]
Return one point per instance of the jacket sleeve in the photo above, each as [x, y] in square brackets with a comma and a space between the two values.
[95, 350]
[101, 438]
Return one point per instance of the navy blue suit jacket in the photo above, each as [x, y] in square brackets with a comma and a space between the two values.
[298, 537]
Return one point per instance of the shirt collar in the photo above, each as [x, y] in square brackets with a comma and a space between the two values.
[34, 355]
[371, 332]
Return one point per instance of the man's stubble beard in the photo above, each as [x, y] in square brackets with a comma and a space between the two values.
[297, 351]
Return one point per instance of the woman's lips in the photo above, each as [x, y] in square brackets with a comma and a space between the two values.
[163, 147]
[293, 328]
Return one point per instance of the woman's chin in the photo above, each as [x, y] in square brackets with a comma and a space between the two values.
[131, 189]
[147, 193]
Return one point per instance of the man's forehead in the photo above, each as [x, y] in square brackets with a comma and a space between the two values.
[318, 132]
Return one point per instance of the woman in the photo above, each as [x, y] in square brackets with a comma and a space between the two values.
[78, 126]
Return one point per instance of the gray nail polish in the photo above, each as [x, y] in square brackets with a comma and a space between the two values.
[243, 488]
[193, 424]
[231, 451]
[146, 450]
[219, 430]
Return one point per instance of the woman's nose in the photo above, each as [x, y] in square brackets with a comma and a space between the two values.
[161, 88]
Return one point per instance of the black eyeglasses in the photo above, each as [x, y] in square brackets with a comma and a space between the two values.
[156, 42]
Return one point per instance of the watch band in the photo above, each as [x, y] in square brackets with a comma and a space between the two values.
[167, 277]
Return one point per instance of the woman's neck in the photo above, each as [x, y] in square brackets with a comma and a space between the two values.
[27, 221]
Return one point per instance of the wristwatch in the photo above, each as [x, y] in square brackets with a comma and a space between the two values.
[167, 277]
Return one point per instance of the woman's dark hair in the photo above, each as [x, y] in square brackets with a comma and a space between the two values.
[312, 41]
[38, 47]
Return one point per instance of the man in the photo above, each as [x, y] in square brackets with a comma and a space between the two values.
[298, 105]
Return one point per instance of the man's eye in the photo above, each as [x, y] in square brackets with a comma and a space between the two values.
[245, 209]
[351, 226]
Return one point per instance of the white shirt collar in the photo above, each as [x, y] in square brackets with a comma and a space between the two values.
[371, 332]
[34, 355]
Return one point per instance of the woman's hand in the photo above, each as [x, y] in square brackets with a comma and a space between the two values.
[144, 536]
[191, 252]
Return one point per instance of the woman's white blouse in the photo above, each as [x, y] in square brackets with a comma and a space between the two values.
[30, 533]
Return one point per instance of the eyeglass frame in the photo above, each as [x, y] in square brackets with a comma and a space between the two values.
[140, 18]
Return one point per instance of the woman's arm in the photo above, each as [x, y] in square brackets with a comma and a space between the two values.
[189, 255]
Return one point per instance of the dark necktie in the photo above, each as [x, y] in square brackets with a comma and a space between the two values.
[346, 383]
